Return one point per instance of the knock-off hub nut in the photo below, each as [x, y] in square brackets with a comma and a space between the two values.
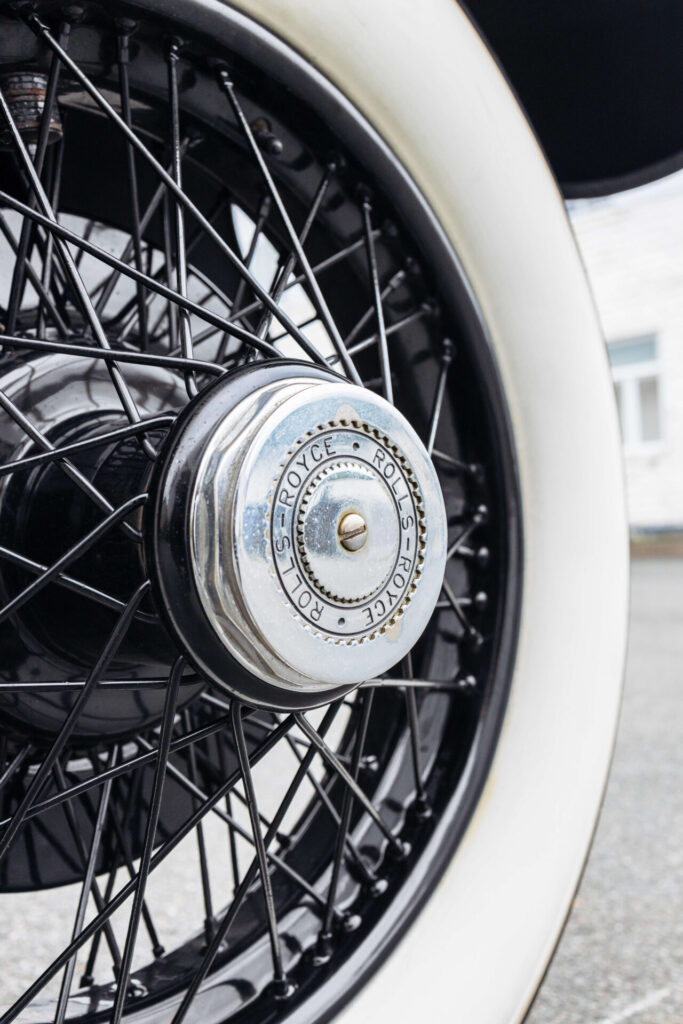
[302, 521]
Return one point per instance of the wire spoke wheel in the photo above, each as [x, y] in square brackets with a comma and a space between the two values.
[259, 541]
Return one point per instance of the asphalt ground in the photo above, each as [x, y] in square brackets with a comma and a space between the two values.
[621, 955]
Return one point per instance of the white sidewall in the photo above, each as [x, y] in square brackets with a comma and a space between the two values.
[424, 79]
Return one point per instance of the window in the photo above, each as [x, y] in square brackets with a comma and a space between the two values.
[636, 372]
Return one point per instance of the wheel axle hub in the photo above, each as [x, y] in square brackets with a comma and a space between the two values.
[314, 534]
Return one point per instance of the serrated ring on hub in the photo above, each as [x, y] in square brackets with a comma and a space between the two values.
[338, 573]
[341, 467]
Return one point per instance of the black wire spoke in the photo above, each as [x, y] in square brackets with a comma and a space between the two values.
[71, 555]
[126, 26]
[232, 843]
[373, 339]
[156, 286]
[446, 360]
[305, 323]
[157, 858]
[201, 841]
[317, 268]
[14, 765]
[95, 892]
[413, 684]
[57, 453]
[88, 977]
[368, 874]
[43, 32]
[124, 319]
[393, 283]
[53, 273]
[123, 845]
[262, 818]
[69, 685]
[75, 280]
[385, 366]
[458, 604]
[214, 292]
[285, 271]
[317, 296]
[257, 233]
[184, 328]
[119, 825]
[150, 834]
[472, 468]
[46, 301]
[421, 803]
[325, 936]
[105, 290]
[457, 546]
[67, 467]
[17, 820]
[86, 887]
[48, 278]
[229, 820]
[232, 839]
[22, 262]
[76, 791]
[75, 585]
[279, 975]
[114, 355]
[253, 869]
[166, 268]
[335, 764]
[87, 232]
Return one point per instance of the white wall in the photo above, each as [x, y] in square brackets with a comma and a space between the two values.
[632, 247]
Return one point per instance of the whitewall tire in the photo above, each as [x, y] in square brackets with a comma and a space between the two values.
[423, 77]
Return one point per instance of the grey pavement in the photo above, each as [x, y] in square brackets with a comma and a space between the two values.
[621, 955]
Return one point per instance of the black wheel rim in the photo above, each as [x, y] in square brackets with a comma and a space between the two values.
[115, 751]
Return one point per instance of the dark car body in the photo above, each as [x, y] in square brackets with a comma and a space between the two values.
[601, 82]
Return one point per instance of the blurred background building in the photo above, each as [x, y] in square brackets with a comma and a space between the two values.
[632, 246]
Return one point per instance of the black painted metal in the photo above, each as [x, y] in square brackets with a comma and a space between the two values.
[598, 81]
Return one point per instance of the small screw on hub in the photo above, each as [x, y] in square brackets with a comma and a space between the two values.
[353, 531]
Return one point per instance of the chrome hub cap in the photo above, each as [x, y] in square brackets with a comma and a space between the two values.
[316, 536]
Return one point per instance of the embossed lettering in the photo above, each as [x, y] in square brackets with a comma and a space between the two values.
[316, 611]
